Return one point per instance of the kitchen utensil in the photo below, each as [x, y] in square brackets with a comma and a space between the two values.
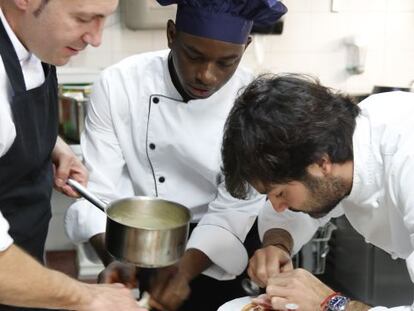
[148, 232]
[382, 89]
[250, 287]
[72, 113]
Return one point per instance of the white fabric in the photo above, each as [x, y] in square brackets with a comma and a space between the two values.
[122, 122]
[5, 238]
[34, 76]
[381, 204]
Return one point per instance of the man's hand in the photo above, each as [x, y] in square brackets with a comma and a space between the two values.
[299, 287]
[118, 272]
[169, 289]
[67, 165]
[267, 262]
[110, 297]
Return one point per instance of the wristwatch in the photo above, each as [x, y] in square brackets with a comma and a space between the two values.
[337, 303]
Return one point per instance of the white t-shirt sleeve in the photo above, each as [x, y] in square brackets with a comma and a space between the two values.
[5, 238]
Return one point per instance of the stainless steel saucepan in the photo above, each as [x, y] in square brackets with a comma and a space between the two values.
[148, 232]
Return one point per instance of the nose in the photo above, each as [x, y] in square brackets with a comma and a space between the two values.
[279, 205]
[94, 35]
[206, 75]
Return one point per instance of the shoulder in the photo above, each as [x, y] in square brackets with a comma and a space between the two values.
[137, 65]
[391, 104]
[243, 75]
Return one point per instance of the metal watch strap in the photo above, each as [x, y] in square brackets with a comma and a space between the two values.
[337, 303]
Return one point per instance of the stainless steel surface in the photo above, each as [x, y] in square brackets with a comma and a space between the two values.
[382, 89]
[145, 231]
[72, 114]
[148, 247]
[250, 287]
[87, 194]
[313, 254]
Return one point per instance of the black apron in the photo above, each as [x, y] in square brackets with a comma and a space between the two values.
[26, 173]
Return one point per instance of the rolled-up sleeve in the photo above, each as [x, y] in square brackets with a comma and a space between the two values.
[5, 239]
[222, 230]
[301, 226]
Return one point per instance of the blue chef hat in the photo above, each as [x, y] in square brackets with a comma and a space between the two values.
[225, 20]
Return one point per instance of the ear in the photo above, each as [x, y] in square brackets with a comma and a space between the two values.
[322, 167]
[22, 4]
[171, 33]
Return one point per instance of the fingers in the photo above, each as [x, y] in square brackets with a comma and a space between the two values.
[109, 297]
[170, 290]
[160, 281]
[257, 269]
[155, 305]
[299, 287]
[118, 272]
[268, 262]
[67, 165]
[263, 300]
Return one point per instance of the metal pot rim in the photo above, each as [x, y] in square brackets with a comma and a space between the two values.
[114, 204]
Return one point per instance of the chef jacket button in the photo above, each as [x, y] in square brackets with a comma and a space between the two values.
[161, 179]
[152, 146]
[155, 100]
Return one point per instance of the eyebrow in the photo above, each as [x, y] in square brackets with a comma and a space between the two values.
[90, 15]
[194, 50]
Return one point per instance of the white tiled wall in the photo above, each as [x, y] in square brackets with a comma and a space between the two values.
[312, 42]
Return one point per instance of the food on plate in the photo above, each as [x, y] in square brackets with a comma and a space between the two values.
[254, 307]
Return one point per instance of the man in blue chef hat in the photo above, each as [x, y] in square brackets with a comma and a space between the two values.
[154, 128]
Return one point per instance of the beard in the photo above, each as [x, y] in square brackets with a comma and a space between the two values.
[324, 194]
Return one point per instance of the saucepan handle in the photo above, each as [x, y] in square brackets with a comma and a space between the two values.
[85, 193]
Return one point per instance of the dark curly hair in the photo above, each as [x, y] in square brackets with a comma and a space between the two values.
[279, 125]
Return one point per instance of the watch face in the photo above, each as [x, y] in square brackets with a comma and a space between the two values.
[337, 303]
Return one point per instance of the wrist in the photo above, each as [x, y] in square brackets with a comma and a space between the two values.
[282, 247]
[335, 302]
[279, 238]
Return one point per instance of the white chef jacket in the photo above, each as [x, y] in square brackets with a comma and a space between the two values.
[33, 76]
[381, 203]
[141, 139]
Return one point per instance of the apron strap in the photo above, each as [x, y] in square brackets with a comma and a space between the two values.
[11, 62]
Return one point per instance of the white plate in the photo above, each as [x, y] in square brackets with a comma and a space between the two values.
[235, 304]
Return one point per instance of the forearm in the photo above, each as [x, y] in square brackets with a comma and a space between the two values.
[193, 263]
[98, 243]
[26, 283]
[357, 306]
[280, 238]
